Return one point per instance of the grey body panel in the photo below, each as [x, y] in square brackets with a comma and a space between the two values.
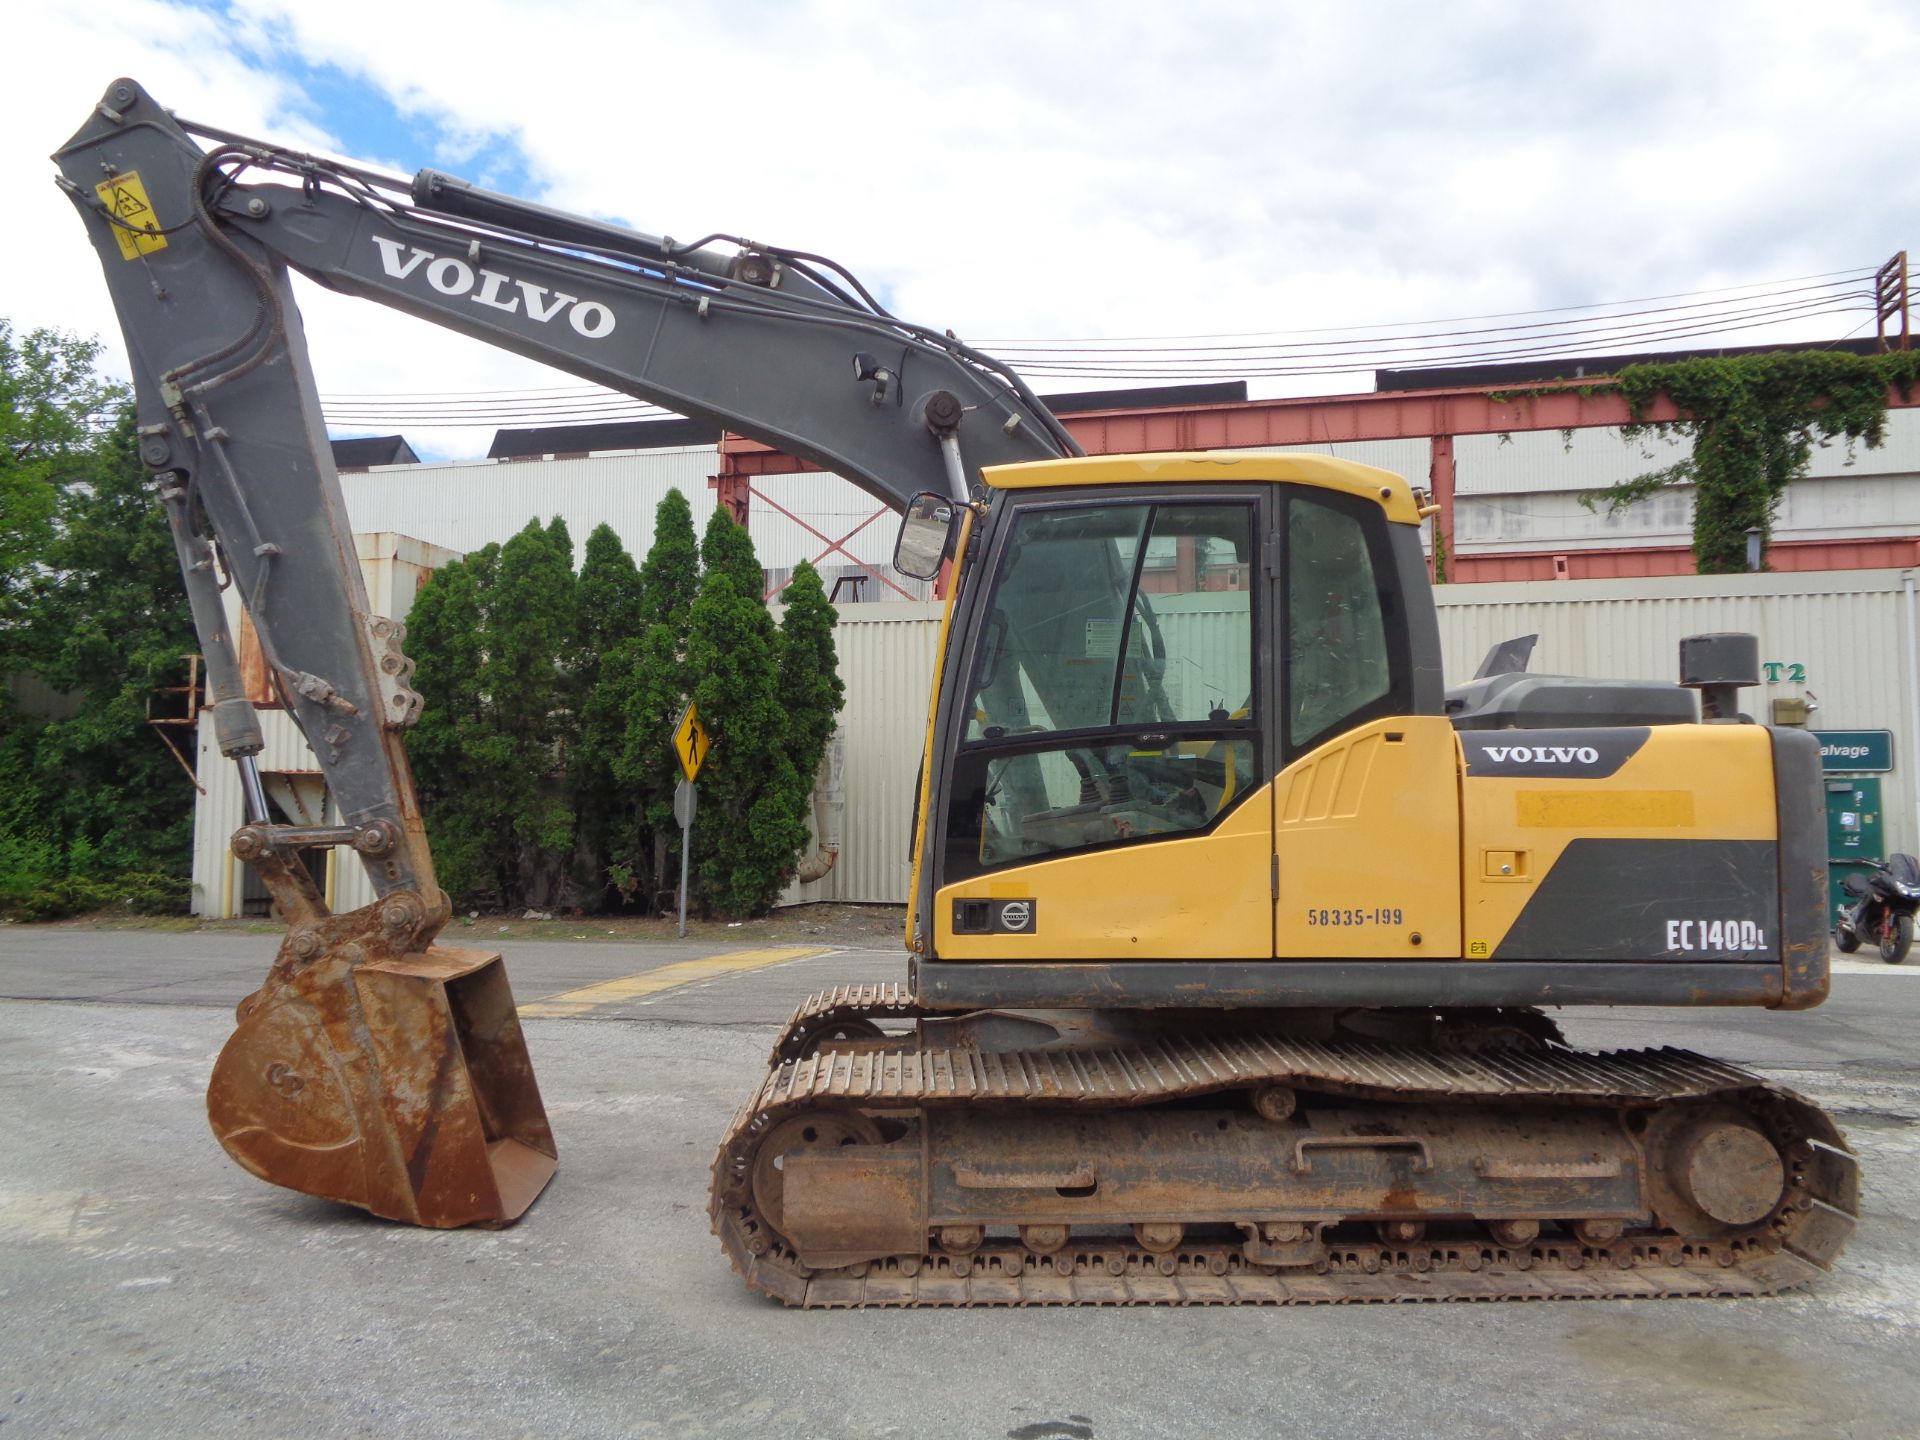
[1511, 700]
[1652, 899]
[1576, 754]
[1804, 958]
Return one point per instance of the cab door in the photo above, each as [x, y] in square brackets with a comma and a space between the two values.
[1110, 794]
[1367, 799]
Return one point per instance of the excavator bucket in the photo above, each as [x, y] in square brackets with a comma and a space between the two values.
[398, 1084]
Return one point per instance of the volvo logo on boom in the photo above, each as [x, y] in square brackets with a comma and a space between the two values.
[451, 275]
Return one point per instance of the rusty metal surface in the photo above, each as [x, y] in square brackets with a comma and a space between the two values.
[1404, 1173]
[830, 1012]
[380, 1070]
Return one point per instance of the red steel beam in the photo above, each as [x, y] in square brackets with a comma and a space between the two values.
[1434, 415]
[1313, 420]
[1303, 420]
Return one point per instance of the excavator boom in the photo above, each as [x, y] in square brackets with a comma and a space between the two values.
[375, 1066]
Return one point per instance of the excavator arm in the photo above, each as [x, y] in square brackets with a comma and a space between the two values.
[375, 1066]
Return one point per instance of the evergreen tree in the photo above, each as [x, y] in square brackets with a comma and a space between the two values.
[811, 691]
[647, 686]
[444, 635]
[752, 801]
[728, 549]
[531, 622]
[671, 573]
[609, 610]
[493, 636]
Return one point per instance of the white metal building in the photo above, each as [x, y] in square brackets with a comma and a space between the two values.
[463, 505]
[1850, 631]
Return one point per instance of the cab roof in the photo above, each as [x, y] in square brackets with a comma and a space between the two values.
[1386, 489]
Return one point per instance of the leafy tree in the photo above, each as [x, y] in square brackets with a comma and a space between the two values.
[1753, 421]
[55, 411]
[93, 809]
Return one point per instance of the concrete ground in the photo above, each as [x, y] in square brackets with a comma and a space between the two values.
[148, 1286]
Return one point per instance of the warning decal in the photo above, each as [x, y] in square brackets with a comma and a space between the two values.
[126, 200]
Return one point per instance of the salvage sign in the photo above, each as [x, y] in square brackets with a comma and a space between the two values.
[1855, 752]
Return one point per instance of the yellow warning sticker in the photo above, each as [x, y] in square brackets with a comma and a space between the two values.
[1479, 949]
[126, 200]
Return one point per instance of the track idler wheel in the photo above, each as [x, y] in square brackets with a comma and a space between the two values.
[1713, 1170]
[1731, 1172]
[799, 1135]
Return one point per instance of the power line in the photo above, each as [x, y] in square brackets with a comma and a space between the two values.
[1697, 315]
[1858, 272]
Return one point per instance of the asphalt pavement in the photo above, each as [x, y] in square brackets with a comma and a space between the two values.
[148, 1286]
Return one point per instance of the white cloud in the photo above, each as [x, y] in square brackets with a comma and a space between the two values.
[1075, 169]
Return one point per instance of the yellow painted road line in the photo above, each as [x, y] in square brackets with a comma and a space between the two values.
[667, 977]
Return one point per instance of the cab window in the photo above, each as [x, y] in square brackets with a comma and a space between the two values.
[1345, 663]
[1112, 697]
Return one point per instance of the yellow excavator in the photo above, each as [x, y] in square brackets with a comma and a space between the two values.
[1231, 926]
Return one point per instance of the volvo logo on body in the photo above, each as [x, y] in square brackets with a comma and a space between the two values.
[1016, 915]
[1542, 754]
[451, 275]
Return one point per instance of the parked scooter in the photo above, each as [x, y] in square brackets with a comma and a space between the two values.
[1883, 908]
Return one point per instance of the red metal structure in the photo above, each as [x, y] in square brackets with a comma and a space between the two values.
[1434, 415]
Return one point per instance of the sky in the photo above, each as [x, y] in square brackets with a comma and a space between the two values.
[1018, 172]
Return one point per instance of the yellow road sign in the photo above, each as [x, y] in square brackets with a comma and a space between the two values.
[126, 199]
[690, 743]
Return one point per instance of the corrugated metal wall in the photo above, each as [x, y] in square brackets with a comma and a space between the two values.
[1846, 627]
[887, 655]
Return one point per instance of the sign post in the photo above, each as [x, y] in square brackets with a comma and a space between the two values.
[690, 743]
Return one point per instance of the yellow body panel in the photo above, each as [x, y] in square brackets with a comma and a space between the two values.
[1206, 897]
[1367, 828]
[1687, 782]
[1217, 467]
[927, 747]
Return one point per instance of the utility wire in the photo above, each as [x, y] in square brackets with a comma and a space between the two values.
[1695, 315]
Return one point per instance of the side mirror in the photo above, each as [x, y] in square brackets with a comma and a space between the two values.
[926, 535]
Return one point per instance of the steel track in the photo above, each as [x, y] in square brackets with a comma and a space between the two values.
[1797, 1242]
